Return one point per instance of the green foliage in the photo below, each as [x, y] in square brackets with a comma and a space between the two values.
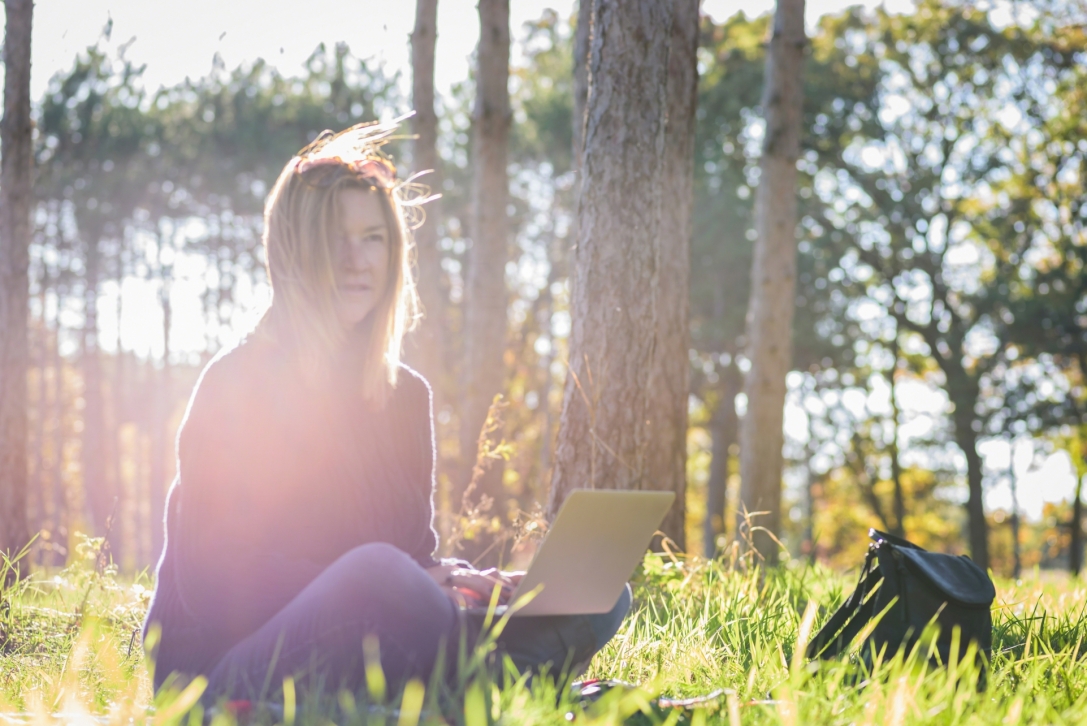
[543, 96]
[942, 216]
[71, 640]
[904, 192]
[228, 135]
[916, 123]
[92, 143]
[1039, 211]
[696, 626]
[727, 150]
[543, 202]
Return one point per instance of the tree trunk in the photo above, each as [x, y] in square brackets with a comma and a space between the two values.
[811, 481]
[160, 424]
[967, 440]
[615, 404]
[773, 278]
[1075, 554]
[158, 452]
[866, 479]
[96, 489]
[556, 271]
[58, 484]
[121, 536]
[16, 167]
[1013, 482]
[896, 462]
[426, 347]
[485, 296]
[40, 521]
[723, 427]
[37, 502]
[582, 38]
[669, 384]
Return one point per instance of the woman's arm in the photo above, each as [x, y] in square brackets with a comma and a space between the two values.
[457, 577]
[470, 587]
[422, 460]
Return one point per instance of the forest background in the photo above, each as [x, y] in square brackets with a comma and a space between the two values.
[940, 334]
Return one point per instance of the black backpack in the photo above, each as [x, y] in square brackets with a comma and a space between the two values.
[930, 587]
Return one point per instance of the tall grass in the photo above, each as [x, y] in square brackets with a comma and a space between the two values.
[696, 626]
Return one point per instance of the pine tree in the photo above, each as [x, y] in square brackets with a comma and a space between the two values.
[16, 164]
[621, 427]
[773, 278]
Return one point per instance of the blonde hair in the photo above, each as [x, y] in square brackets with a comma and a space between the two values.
[301, 255]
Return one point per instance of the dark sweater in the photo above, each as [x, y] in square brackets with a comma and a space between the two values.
[276, 480]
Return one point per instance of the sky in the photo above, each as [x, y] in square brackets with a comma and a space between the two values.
[180, 39]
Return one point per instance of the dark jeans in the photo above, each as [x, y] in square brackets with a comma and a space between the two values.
[378, 590]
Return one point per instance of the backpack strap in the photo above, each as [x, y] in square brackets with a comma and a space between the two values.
[876, 536]
[850, 618]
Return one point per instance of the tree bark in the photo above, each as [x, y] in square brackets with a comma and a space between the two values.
[427, 343]
[1075, 554]
[810, 483]
[582, 37]
[158, 453]
[556, 261]
[620, 378]
[866, 479]
[724, 427]
[485, 296]
[979, 529]
[896, 461]
[121, 534]
[96, 489]
[37, 502]
[669, 383]
[773, 278]
[964, 393]
[59, 480]
[16, 167]
[161, 419]
[1013, 482]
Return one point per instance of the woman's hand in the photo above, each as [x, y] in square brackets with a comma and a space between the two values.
[469, 587]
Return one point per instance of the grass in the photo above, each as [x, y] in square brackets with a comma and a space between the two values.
[697, 626]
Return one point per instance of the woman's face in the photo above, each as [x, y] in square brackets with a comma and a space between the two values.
[361, 240]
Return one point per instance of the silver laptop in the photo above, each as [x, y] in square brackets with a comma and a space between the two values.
[591, 550]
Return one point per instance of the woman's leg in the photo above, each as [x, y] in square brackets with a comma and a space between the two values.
[561, 643]
[375, 589]
[606, 625]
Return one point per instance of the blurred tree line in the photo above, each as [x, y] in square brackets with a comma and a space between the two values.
[942, 243]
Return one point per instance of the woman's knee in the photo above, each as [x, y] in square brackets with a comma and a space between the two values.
[388, 583]
[622, 606]
[374, 555]
[363, 566]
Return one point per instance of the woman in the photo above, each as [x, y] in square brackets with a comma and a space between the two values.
[300, 520]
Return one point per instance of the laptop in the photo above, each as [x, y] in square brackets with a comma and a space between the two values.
[591, 550]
